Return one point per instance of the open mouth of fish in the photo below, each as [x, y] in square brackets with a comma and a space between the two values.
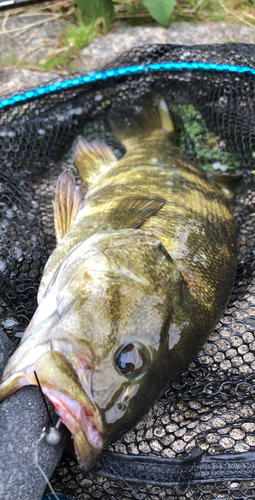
[60, 383]
[80, 421]
[71, 412]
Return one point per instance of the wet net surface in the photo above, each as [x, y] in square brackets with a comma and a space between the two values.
[209, 411]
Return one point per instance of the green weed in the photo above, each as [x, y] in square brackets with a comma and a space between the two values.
[99, 17]
[72, 41]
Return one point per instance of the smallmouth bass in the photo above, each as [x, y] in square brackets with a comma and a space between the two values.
[141, 273]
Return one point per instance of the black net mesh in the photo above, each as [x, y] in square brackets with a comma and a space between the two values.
[178, 449]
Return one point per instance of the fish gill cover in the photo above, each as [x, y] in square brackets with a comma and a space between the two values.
[198, 440]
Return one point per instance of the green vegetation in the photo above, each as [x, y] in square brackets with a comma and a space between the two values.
[98, 9]
[160, 10]
[206, 148]
[164, 11]
[73, 40]
[231, 11]
[84, 20]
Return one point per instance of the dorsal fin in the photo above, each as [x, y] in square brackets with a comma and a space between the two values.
[92, 158]
[131, 212]
[68, 202]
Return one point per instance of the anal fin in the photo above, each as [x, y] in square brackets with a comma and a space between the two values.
[68, 202]
[131, 212]
[92, 158]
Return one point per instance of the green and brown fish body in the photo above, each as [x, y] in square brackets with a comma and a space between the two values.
[139, 278]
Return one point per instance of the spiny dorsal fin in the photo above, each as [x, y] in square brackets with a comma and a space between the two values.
[68, 202]
[147, 115]
[131, 212]
[92, 158]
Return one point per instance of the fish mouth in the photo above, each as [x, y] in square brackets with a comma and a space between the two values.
[81, 423]
[60, 383]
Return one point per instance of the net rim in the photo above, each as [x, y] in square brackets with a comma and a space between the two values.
[114, 73]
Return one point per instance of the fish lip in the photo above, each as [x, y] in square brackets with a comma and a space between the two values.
[61, 383]
[75, 416]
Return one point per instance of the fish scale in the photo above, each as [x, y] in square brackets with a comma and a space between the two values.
[202, 207]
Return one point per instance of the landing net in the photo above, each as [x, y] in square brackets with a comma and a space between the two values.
[198, 440]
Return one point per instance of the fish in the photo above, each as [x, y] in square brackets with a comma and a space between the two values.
[143, 268]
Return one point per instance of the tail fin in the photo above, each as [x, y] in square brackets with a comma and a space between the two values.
[147, 115]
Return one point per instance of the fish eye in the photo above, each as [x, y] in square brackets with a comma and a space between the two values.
[132, 359]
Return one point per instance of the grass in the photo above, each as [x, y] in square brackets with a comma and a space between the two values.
[233, 11]
[71, 42]
[77, 34]
[241, 11]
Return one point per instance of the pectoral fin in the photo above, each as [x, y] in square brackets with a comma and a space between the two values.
[92, 159]
[68, 202]
[131, 212]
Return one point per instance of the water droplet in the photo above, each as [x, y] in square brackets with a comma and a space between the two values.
[77, 111]
[30, 216]
[2, 265]
[216, 165]
[4, 224]
[19, 335]
[9, 323]
[223, 167]
[17, 252]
